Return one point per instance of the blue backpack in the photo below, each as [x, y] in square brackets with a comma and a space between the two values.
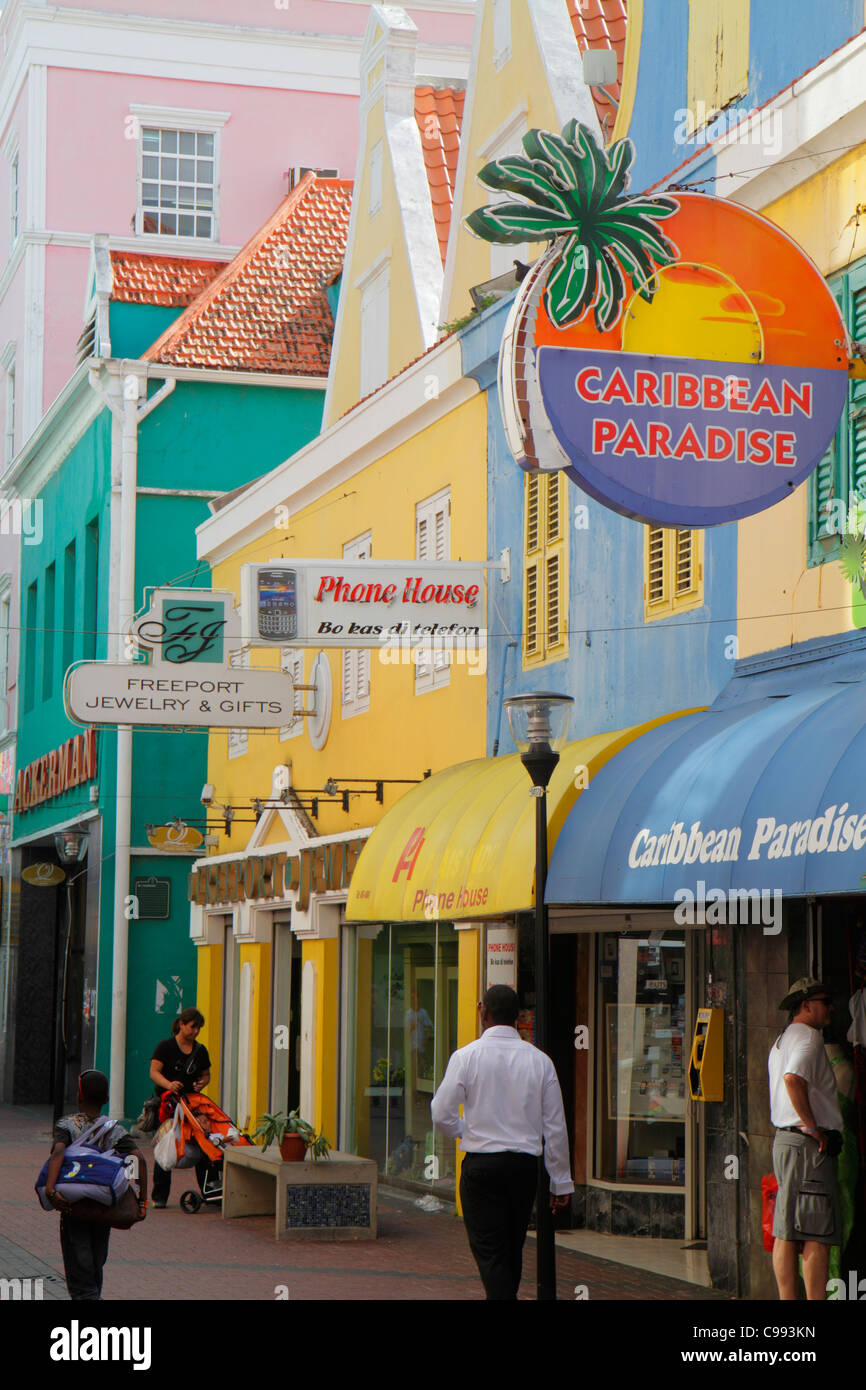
[88, 1171]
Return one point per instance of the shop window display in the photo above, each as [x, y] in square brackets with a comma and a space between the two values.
[640, 1063]
[406, 1030]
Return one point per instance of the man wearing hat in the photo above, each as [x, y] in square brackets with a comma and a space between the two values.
[804, 1108]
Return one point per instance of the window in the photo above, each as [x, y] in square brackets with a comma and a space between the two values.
[641, 1065]
[718, 57]
[177, 182]
[374, 331]
[355, 674]
[10, 410]
[433, 542]
[376, 179]
[501, 32]
[14, 219]
[837, 487]
[292, 662]
[68, 637]
[48, 634]
[5, 618]
[30, 647]
[91, 590]
[545, 569]
[507, 140]
[239, 739]
[673, 571]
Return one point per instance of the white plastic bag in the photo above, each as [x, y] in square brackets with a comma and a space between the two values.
[166, 1140]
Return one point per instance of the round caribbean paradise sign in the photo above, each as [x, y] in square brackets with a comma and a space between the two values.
[679, 356]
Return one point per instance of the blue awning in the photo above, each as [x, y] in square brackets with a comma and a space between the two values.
[761, 794]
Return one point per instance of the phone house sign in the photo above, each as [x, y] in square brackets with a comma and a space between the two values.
[363, 603]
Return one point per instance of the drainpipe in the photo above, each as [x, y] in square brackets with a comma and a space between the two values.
[132, 386]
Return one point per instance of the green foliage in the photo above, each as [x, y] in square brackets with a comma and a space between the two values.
[454, 325]
[272, 1129]
[572, 194]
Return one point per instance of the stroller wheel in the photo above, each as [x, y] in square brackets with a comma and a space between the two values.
[190, 1202]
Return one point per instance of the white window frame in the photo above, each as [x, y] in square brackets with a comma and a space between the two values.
[14, 199]
[355, 661]
[508, 139]
[376, 286]
[376, 165]
[292, 662]
[501, 33]
[184, 122]
[436, 673]
[7, 362]
[5, 636]
[239, 739]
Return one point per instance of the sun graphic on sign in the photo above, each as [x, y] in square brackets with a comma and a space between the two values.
[677, 354]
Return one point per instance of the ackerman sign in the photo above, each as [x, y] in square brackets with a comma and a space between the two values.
[56, 772]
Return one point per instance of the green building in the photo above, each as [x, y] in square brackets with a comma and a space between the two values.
[195, 377]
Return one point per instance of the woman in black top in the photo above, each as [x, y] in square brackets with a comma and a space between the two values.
[179, 1065]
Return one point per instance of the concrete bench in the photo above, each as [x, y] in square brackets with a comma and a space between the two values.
[333, 1199]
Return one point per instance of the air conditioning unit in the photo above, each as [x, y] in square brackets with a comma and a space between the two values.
[297, 173]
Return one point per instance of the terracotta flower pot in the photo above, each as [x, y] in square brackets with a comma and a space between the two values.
[293, 1148]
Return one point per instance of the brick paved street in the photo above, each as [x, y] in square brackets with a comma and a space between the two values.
[418, 1256]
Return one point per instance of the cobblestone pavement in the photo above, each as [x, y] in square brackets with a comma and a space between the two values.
[171, 1256]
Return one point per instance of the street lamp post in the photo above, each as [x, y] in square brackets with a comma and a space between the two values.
[71, 848]
[539, 727]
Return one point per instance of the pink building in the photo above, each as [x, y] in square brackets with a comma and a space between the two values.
[175, 129]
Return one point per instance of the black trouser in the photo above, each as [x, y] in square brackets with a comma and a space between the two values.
[497, 1191]
[162, 1178]
[85, 1250]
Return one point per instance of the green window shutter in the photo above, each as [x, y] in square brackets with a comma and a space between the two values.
[830, 479]
[857, 392]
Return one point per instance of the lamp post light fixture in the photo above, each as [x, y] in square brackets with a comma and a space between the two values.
[71, 846]
[539, 727]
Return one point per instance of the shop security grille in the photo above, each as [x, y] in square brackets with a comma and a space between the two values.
[154, 899]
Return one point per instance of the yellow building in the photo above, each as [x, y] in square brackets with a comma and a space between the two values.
[318, 992]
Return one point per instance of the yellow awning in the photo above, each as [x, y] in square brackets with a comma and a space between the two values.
[462, 843]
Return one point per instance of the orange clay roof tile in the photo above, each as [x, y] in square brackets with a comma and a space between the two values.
[173, 281]
[267, 310]
[602, 24]
[439, 113]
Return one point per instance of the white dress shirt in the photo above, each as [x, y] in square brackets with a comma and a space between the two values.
[511, 1100]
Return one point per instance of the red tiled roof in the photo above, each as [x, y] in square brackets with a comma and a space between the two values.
[174, 281]
[439, 113]
[267, 311]
[601, 24]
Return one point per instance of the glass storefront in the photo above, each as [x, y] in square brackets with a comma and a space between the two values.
[400, 1010]
[640, 1062]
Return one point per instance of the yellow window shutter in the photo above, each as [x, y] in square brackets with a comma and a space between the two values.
[530, 611]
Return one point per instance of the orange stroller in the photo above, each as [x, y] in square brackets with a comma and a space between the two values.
[206, 1128]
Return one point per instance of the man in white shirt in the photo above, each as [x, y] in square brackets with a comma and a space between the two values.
[804, 1107]
[511, 1103]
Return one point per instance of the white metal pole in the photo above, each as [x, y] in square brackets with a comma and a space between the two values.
[123, 804]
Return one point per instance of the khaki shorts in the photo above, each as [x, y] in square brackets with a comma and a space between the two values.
[807, 1203]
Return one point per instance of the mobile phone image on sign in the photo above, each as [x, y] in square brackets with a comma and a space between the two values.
[278, 603]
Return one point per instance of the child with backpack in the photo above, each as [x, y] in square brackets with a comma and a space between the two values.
[84, 1243]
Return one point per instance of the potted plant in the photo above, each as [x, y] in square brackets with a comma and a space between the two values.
[294, 1136]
